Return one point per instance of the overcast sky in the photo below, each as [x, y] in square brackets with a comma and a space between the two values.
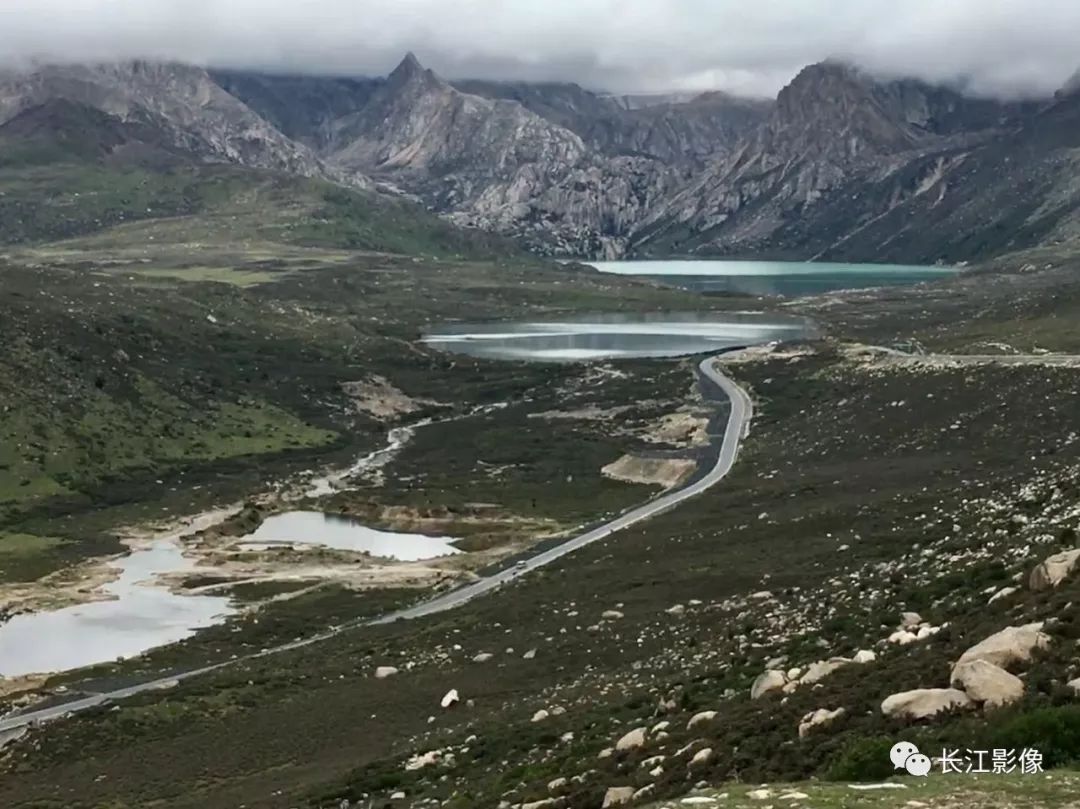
[1002, 47]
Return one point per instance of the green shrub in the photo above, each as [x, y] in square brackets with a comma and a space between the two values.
[1053, 731]
[862, 760]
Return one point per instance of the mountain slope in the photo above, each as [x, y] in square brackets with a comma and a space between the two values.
[675, 132]
[182, 101]
[831, 127]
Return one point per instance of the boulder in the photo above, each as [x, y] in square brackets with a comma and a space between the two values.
[382, 672]
[540, 715]
[1004, 592]
[821, 669]
[822, 716]
[631, 741]
[611, 615]
[1074, 686]
[483, 657]
[618, 796]
[910, 620]
[450, 699]
[1014, 644]
[546, 803]
[767, 681]
[902, 637]
[924, 702]
[703, 756]
[864, 656]
[1053, 570]
[699, 719]
[984, 682]
[557, 784]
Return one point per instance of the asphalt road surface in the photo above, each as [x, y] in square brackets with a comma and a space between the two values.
[738, 424]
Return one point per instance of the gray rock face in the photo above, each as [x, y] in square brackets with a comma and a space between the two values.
[182, 101]
[833, 128]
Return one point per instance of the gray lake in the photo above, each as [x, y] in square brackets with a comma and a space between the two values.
[785, 278]
[335, 531]
[139, 615]
[617, 336]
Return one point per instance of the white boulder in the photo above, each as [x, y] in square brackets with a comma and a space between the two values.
[1014, 644]
[922, 703]
[767, 681]
[1053, 570]
[631, 741]
[618, 796]
[822, 716]
[986, 683]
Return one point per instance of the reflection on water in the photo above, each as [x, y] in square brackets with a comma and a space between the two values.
[140, 616]
[786, 278]
[617, 336]
[343, 533]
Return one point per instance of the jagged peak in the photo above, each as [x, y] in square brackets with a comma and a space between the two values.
[408, 69]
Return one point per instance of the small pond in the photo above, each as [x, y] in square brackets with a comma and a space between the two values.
[315, 528]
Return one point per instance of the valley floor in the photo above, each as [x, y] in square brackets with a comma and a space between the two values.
[868, 487]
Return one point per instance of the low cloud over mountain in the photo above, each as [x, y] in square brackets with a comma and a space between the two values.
[1001, 47]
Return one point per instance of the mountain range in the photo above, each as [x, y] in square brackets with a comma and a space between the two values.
[841, 165]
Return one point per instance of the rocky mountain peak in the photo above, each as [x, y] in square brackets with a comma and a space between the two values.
[410, 72]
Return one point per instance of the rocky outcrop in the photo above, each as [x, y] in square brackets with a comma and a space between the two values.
[923, 703]
[986, 683]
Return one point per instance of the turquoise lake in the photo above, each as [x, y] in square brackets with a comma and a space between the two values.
[774, 278]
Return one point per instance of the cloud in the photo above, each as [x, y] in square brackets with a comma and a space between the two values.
[1003, 47]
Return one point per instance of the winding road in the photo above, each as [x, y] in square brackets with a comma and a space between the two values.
[738, 424]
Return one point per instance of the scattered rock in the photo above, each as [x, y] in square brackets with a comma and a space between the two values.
[557, 784]
[699, 719]
[483, 657]
[382, 672]
[1053, 570]
[1014, 644]
[984, 682]
[450, 699]
[617, 796]
[767, 681]
[910, 620]
[540, 716]
[631, 741]
[821, 669]
[611, 615]
[864, 656]
[529, 655]
[822, 716]
[703, 756]
[924, 702]
[902, 637]
[1004, 592]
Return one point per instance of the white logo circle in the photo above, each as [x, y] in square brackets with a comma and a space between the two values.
[900, 753]
[917, 764]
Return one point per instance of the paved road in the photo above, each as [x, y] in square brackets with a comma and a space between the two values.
[738, 424]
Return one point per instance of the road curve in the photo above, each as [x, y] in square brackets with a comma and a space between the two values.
[738, 425]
